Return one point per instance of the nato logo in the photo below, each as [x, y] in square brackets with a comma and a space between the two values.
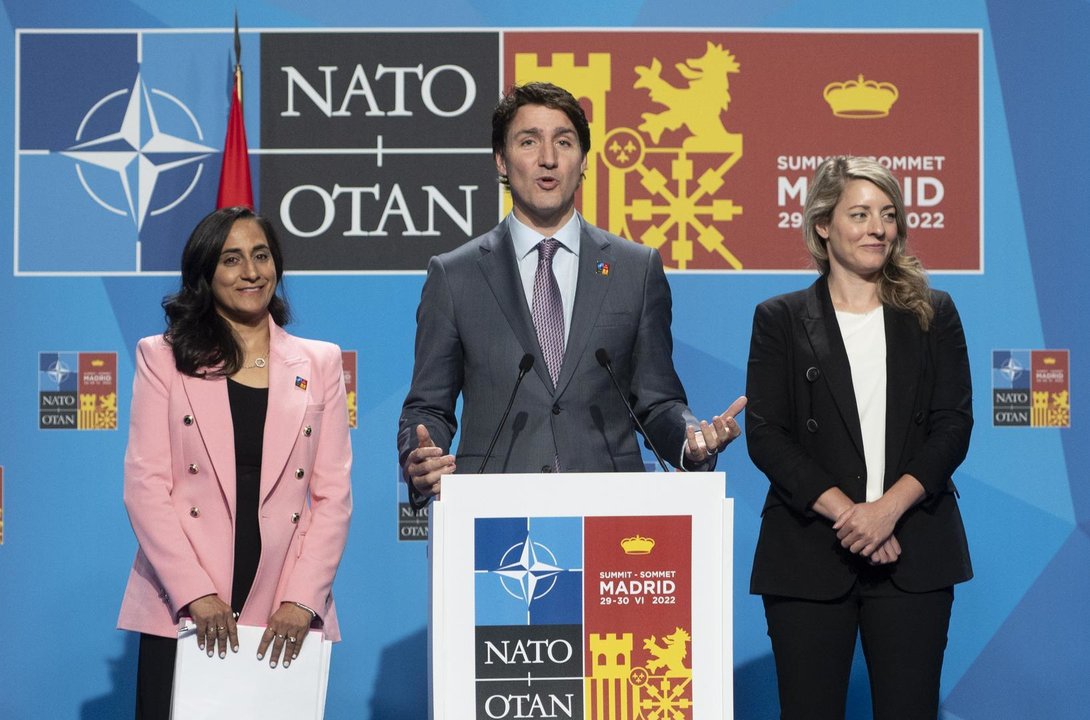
[117, 147]
[58, 391]
[1012, 401]
[528, 571]
[1011, 369]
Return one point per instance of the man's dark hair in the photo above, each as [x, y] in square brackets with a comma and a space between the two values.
[538, 93]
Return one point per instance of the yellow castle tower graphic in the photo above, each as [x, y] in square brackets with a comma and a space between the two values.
[607, 696]
[675, 201]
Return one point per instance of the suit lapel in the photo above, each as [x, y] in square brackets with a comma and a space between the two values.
[501, 272]
[212, 408]
[828, 344]
[905, 354]
[590, 291]
[287, 404]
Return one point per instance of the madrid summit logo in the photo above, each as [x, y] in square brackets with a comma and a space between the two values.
[122, 130]
[1031, 388]
[77, 391]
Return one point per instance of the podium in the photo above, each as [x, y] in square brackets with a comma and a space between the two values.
[598, 596]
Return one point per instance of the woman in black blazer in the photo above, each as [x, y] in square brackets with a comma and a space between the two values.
[860, 409]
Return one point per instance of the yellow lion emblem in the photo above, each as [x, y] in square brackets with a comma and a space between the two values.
[670, 655]
[696, 106]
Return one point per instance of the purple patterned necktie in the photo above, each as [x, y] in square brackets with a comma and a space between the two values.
[548, 309]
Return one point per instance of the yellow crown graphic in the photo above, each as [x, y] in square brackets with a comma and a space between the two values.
[98, 362]
[637, 545]
[860, 99]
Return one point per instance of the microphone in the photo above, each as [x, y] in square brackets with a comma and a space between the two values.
[525, 364]
[603, 360]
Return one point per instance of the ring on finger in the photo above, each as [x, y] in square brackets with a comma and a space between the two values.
[291, 639]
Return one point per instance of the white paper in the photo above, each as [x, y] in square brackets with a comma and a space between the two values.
[240, 685]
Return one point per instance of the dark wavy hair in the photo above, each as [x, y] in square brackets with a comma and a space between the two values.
[202, 341]
[537, 93]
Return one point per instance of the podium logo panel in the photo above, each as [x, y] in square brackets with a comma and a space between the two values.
[583, 617]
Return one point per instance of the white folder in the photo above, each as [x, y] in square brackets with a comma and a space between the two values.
[240, 685]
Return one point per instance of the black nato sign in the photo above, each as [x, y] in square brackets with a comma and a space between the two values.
[376, 147]
[529, 671]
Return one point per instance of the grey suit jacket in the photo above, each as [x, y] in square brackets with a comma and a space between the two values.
[474, 326]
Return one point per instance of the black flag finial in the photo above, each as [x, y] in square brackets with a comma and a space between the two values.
[238, 42]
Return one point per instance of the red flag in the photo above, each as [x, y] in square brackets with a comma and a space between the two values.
[235, 188]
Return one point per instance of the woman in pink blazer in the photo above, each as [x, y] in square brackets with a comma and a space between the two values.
[237, 473]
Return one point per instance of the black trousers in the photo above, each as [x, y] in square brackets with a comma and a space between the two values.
[903, 637]
[155, 677]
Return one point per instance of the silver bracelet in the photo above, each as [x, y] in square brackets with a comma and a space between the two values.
[301, 605]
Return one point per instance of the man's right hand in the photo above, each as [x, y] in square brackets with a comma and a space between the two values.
[426, 464]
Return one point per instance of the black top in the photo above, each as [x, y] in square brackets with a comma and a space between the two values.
[248, 408]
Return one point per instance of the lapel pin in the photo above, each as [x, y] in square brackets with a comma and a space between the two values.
[300, 382]
[602, 268]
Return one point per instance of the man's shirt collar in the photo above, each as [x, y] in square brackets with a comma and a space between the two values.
[526, 239]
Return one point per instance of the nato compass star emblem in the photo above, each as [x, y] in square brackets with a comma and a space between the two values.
[58, 371]
[1011, 369]
[528, 571]
[139, 151]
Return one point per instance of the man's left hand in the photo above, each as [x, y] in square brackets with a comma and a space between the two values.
[714, 437]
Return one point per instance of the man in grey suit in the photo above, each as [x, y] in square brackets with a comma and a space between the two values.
[546, 284]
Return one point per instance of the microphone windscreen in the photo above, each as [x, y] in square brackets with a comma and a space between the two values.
[603, 357]
[526, 363]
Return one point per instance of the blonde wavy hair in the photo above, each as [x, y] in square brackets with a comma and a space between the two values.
[903, 282]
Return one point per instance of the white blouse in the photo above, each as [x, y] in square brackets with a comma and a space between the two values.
[865, 341]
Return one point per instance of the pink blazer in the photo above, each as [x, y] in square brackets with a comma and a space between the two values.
[180, 486]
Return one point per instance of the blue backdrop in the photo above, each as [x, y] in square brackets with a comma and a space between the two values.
[1020, 639]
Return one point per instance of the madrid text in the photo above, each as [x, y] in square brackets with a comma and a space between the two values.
[623, 587]
[923, 193]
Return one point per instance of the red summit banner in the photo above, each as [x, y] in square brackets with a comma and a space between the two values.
[703, 142]
[348, 365]
[98, 391]
[637, 618]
